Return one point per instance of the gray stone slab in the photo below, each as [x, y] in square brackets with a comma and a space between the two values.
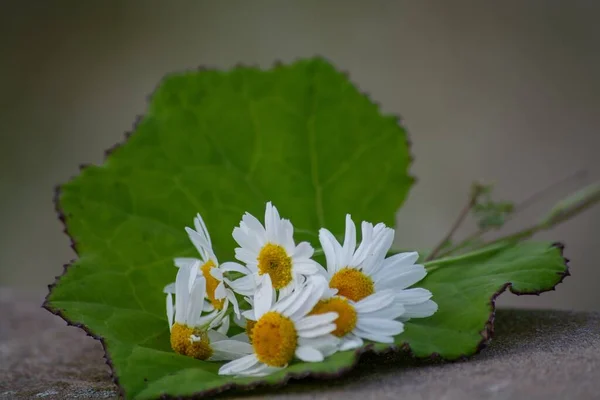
[534, 355]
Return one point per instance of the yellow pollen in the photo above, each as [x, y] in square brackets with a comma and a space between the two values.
[274, 260]
[346, 320]
[181, 342]
[274, 339]
[211, 285]
[352, 284]
[249, 326]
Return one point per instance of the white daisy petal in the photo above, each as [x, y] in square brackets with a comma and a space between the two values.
[303, 250]
[350, 342]
[422, 310]
[244, 286]
[220, 292]
[239, 365]
[317, 331]
[255, 226]
[170, 311]
[224, 328]
[307, 267]
[316, 320]
[234, 267]
[380, 326]
[309, 354]
[373, 336]
[263, 298]
[349, 245]
[375, 301]
[196, 301]
[400, 279]
[185, 262]
[170, 288]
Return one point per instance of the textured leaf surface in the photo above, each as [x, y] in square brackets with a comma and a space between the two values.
[221, 143]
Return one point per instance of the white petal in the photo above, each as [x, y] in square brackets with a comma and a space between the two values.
[246, 240]
[373, 336]
[201, 228]
[271, 222]
[216, 273]
[236, 308]
[303, 250]
[220, 291]
[182, 293]
[331, 249]
[215, 336]
[245, 255]
[249, 314]
[350, 342]
[318, 331]
[393, 311]
[376, 301]
[241, 337]
[309, 354]
[239, 365]
[349, 241]
[307, 267]
[380, 326]
[326, 344]
[286, 236]
[413, 296]
[170, 311]
[224, 328]
[170, 288]
[234, 267]
[316, 320]
[422, 310]
[255, 227]
[402, 259]
[263, 299]
[184, 262]
[200, 243]
[196, 302]
[244, 286]
[306, 301]
[400, 279]
[232, 347]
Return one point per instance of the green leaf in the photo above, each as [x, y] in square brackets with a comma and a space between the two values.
[222, 143]
[218, 143]
[465, 288]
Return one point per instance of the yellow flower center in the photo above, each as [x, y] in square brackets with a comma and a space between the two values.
[249, 326]
[211, 285]
[352, 284]
[182, 342]
[274, 260]
[346, 320]
[274, 339]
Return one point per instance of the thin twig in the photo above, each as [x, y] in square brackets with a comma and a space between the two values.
[519, 208]
[461, 217]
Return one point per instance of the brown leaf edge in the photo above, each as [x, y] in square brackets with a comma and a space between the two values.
[486, 333]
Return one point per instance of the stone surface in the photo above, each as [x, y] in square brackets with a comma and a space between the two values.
[534, 355]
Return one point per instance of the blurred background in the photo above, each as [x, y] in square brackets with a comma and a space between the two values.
[507, 92]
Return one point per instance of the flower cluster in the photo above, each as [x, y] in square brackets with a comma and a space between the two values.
[285, 304]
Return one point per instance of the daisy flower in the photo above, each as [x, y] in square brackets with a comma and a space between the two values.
[191, 333]
[270, 250]
[219, 289]
[284, 330]
[358, 273]
[372, 318]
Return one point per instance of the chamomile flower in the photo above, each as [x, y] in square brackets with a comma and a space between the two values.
[372, 318]
[284, 330]
[358, 273]
[191, 332]
[219, 289]
[270, 250]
